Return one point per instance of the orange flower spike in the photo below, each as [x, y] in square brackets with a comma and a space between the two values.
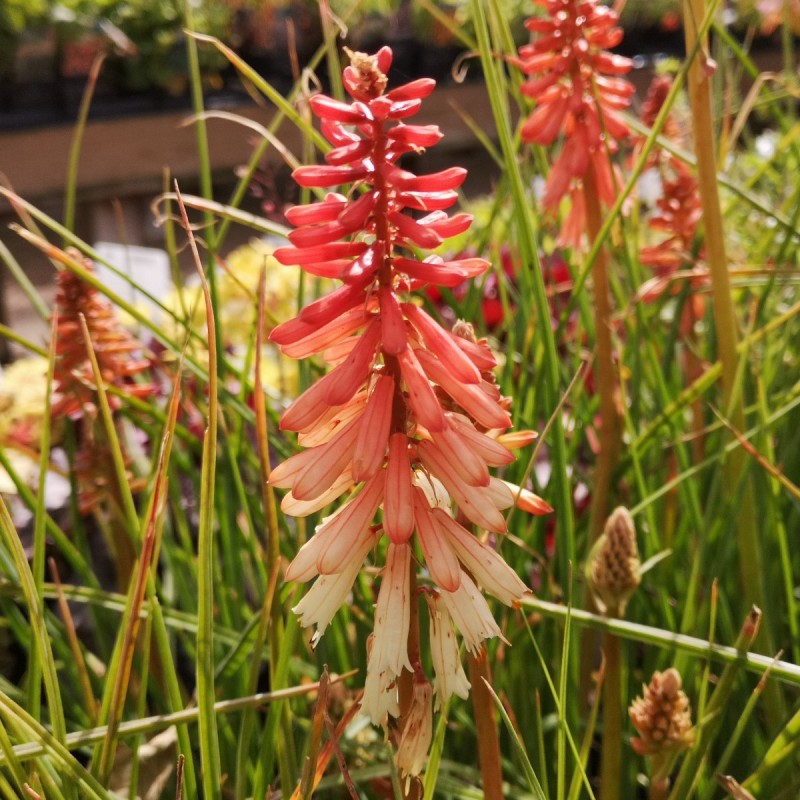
[399, 418]
[73, 380]
[577, 89]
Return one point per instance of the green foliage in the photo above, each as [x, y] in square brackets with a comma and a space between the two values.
[199, 661]
[18, 15]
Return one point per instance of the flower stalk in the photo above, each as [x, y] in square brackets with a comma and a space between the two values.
[605, 370]
[480, 676]
[612, 576]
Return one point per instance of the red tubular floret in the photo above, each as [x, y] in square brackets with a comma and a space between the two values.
[335, 110]
[415, 90]
[323, 176]
[349, 153]
[303, 256]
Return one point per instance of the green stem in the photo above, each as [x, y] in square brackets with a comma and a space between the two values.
[206, 185]
[209, 737]
[611, 759]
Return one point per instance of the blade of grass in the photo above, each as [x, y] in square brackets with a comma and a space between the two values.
[579, 776]
[13, 336]
[220, 210]
[429, 782]
[11, 762]
[159, 722]
[39, 519]
[118, 680]
[25, 283]
[41, 638]
[65, 546]
[740, 729]
[206, 185]
[556, 695]
[648, 635]
[247, 724]
[74, 774]
[275, 97]
[71, 183]
[272, 544]
[693, 764]
[209, 738]
[74, 644]
[519, 747]
[563, 724]
[711, 375]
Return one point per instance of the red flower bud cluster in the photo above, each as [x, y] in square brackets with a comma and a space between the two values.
[578, 91]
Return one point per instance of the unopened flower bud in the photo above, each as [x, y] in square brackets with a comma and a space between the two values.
[662, 716]
[613, 567]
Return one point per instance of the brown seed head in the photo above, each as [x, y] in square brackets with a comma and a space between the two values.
[662, 716]
[613, 568]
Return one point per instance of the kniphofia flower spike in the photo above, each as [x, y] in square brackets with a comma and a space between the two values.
[579, 92]
[406, 419]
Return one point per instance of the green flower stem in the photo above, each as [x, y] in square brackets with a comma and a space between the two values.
[611, 755]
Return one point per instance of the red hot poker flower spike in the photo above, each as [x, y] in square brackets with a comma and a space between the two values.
[405, 398]
[578, 91]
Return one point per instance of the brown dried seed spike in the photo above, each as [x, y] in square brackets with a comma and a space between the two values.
[613, 567]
